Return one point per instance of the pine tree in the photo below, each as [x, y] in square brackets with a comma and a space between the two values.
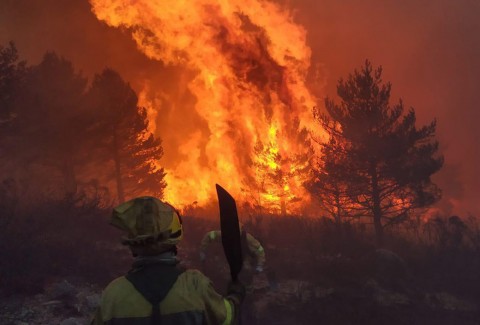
[377, 156]
[280, 175]
[328, 186]
[122, 128]
[51, 122]
[11, 76]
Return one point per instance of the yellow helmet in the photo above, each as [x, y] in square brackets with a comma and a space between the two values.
[147, 220]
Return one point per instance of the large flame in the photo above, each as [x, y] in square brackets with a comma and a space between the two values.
[248, 63]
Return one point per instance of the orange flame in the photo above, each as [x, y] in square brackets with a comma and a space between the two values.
[249, 62]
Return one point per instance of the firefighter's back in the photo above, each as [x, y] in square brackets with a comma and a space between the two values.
[191, 300]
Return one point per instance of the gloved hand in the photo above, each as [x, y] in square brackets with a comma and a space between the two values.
[237, 290]
[203, 256]
[259, 269]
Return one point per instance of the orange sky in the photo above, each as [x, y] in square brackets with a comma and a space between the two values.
[429, 49]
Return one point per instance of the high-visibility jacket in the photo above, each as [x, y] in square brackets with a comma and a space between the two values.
[191, 300]
[254, 254]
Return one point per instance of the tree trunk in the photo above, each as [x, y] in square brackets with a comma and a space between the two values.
[118, 174]
[377, 211]
[337, 214]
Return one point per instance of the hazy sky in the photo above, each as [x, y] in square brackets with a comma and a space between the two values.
[429, 50]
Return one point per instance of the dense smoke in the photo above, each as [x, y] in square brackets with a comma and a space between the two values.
[428, 49]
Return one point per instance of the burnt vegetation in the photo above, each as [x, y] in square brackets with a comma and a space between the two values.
[71, 148]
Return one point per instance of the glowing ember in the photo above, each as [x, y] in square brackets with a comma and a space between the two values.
[249, 62]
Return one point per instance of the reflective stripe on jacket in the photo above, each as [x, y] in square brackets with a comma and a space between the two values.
[192, 300]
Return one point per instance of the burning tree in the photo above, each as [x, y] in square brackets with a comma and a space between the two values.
[278, 173]
[122, 128]
[271, 180]
[246, 74]
[377, 162]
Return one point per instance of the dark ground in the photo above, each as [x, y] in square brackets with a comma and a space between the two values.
[55, 264]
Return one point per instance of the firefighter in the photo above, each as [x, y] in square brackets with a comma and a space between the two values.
[253, 257]
[156, 290]
[253, 263]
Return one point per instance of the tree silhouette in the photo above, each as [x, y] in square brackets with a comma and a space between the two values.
[11, 76]
[380, 161]
[328, 185]
[51, 124]
[122, 130]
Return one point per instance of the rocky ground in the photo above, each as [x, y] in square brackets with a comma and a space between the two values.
[299, 302]
[65, 302]
[72, 302]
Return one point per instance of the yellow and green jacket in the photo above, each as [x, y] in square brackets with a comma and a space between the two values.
[254, 252]
[189, 299]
